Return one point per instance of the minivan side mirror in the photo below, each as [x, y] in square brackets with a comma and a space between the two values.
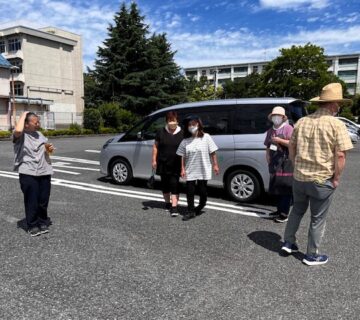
[139, 135]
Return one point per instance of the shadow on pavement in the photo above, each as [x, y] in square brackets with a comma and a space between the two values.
[272, 242]
[21, 224]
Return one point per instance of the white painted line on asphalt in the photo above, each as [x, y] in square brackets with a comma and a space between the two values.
[93, 151]
[60, 165]
[8, 218]
[247, 211]
[65, 171]
[76, 160]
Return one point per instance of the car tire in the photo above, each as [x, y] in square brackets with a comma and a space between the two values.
[243, 185]
[120, 172]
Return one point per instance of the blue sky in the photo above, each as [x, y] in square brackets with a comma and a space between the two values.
[205, 32]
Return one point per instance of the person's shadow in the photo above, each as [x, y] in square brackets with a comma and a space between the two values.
[272, 242]
[21, 224]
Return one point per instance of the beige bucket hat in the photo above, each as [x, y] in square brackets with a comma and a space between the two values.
[331, 93]
[277, 111]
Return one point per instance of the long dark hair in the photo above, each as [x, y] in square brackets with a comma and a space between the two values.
[200, 132]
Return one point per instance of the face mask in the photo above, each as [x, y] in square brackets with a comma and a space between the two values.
[172, 125]
[193, 129]
[277, 120]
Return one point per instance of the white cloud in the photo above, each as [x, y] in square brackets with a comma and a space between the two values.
[293, 4]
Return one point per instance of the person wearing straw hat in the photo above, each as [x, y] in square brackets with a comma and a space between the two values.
[277, 152]
[318, 151]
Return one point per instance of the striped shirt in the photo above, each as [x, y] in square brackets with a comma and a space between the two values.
[317, 137]
[196, 153]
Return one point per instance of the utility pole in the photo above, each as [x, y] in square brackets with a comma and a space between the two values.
[13, 93]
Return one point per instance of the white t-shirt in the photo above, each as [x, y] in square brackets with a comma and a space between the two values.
[196, 153]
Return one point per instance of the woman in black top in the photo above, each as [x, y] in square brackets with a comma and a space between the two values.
[166, 162]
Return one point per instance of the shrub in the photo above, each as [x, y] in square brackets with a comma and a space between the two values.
[76, 128]
[5, 134]
[92, 119]
[107, 130]
[126, 119]
[108, 113]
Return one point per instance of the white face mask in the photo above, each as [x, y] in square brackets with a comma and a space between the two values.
[193, 129]
[277, 120]
[172, 125]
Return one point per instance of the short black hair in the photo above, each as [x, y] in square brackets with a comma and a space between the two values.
[29, 115]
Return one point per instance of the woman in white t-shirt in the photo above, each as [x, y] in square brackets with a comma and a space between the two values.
[198, 158]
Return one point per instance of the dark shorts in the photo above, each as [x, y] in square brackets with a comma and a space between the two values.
[170, 183]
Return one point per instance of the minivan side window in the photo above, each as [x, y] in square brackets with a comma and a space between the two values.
[132, 134]
[153, 126]
[215, 122]
[250, 119]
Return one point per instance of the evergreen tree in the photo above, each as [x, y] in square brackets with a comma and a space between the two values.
[137, 70]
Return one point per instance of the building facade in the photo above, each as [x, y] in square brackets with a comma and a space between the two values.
[346, 67]
[49, 73]
[4, 93]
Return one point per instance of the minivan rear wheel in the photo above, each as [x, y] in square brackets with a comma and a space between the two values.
[120, 172]
[243, 186]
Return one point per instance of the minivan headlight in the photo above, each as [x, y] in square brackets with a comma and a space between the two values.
[107, 143]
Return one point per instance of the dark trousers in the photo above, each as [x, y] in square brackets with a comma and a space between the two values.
[190, 193]
[284, 203]
[36, 192]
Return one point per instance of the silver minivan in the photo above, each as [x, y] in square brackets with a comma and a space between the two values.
[238, 128]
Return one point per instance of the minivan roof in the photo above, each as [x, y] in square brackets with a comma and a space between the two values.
[229, 102]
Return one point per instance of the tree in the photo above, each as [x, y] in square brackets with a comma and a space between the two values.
[299, 72]
[203, 90]
[134, 69]
[246, 87]
[92, 91]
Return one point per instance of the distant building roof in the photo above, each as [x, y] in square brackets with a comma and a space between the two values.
[4, 63]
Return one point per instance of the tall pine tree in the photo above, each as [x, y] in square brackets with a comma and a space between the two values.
[137, 70]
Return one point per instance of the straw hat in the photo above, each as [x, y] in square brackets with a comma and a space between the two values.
[280, 111]
[330, 93]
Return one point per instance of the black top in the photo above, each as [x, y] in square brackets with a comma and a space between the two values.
[168, 162]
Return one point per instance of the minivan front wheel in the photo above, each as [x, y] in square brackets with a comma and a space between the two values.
[120, 171]
[243, 185]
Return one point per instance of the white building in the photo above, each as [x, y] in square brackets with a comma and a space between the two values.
[50, 70]
[4, 93]
[346, 67]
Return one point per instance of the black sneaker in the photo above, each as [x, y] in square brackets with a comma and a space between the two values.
[174, 211]
[34, 231]
[281, 218]
[44, 228]
[167, 206]
[199, 210]
[189, 215]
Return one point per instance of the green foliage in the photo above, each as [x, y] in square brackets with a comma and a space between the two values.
[247, 87]
[299, 72]
[346, 112]
[355, 108]
[76, 128]
[5, 134]
[92, 119]
[203, 90]
[108, 113]
[104, 130]
[125, 120]
[134, 69]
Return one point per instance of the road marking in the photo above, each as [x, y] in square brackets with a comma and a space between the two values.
[93, 151]
[65, 171]
[8, 218]
[246, 211]
[61, 165]
[76, 160]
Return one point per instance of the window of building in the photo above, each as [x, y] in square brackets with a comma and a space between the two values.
[351, 86]
[255, 69]
[191, 74]
[14, 44]
[17, 63]
[348, 61]
[2, 46]
[347, 73]
[240, 69]
[225, 70]
[18, 88]
[329, 62]
[203, 72]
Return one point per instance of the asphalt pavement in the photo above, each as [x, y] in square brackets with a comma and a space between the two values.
[114, 253]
